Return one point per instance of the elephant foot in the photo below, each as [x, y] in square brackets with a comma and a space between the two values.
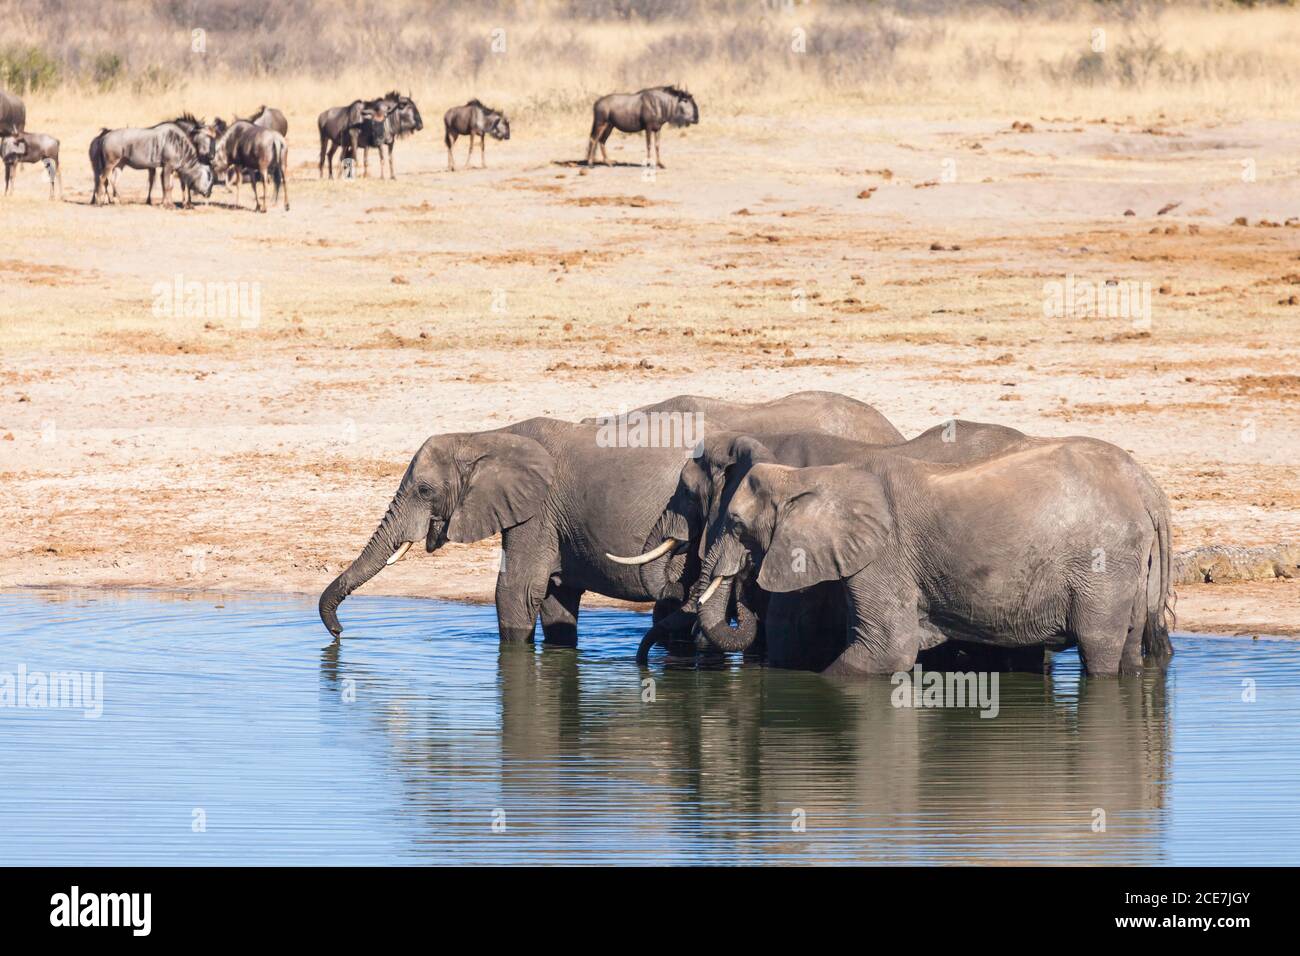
[565, 635]
[516, 635]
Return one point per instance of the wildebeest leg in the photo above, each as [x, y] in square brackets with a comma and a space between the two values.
[482, 149]
[264, 168]
[283, 181]
[9, 177]
[648, 137]
[320, 166]
[451, 160]
[658, 162]
[117, 197]
[148, 198]
[365, 162]
[604, 137]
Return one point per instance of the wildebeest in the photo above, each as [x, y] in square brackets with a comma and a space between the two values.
[268, 117]
[383, 122]
[201, 135]
[13, 115]
[473, 119]
[31, 148]
[648, 111]
[352, 126]
[165, 147]
[336, 126]
[246, 147]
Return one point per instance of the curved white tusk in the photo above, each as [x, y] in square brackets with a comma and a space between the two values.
[397, 555]
[708, 592]
[663, 548]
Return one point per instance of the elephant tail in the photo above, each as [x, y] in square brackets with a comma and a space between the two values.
[1160, 595]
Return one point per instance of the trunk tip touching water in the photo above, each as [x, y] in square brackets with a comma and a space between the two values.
[328, 607]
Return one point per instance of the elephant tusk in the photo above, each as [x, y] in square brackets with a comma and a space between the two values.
[663, 548]
[401, 550]
[708, 592]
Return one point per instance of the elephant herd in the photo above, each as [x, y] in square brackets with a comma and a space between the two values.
[200, 154]
[804, 531]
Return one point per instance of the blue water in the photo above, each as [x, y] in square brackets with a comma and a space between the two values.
[233, 732]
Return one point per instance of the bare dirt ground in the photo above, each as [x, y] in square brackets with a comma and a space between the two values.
[904, 262]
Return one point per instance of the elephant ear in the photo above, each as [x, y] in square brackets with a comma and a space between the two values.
[827, 530]
[506, 479]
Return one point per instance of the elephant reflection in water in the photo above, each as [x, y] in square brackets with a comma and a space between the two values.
[732, 755]
[727, 761]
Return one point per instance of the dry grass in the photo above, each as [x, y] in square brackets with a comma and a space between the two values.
[545, 61]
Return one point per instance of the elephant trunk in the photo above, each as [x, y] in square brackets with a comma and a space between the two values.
[722, 567]
[376, 554]
[662, 630]
[713, 618]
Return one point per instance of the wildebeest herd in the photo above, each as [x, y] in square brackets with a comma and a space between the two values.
[200, 154]
[805, 531]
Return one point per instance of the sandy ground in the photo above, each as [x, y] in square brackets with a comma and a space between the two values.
[906, 263]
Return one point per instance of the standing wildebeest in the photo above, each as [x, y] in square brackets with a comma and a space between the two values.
[31, 148]
[473, 119]
[249, 147]
[336, 126]
[647, 110]
[383, 121]
[268, 117]
[13, 115]
[165, 147]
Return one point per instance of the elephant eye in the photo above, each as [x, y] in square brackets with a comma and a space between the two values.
[425, 492]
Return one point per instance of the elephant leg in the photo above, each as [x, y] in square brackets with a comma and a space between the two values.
[528, 559]
[884, 637]
[1104, 629]
[560, 615]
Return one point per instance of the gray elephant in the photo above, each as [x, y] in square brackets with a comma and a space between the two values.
[563, 495]
[1055, 542]
[783, 626]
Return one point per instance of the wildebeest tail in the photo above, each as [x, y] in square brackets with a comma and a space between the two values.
[279, 158]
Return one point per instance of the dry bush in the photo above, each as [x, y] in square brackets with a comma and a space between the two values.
[917, 55]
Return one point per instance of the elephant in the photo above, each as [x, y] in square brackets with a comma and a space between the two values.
[1054, 542]
[709, 479]
[563, 495]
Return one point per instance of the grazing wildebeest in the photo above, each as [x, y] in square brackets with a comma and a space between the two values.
[382, 122]
[164, 147]
[201, 135]
[268, 117]
[31, 148]
[648, 111]
[473, 119]
[254, 148]
[13, 115]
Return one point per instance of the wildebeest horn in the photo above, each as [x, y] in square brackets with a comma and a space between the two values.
[657, 552]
